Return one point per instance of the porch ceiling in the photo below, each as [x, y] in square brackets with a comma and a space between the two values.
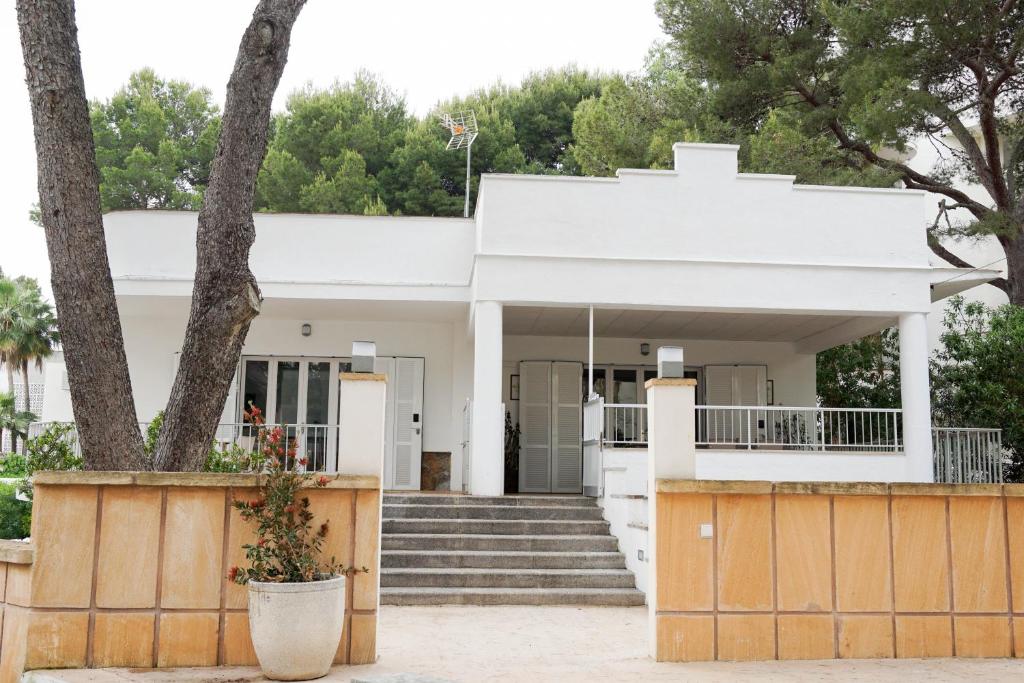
[653, 324]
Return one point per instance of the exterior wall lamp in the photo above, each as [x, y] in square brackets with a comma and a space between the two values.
[307, 329]
[645, 349]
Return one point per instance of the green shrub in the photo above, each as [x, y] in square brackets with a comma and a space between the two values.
[54, 449]
[13, 465]
[15, 515]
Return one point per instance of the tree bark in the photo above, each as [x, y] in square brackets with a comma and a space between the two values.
[226, 297]
[10, 387]
[1015, 269]
[24, 381]
[69, 202]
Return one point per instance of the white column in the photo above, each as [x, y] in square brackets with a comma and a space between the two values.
[361, 404]
[917, 420]
[671, 454]
[487, 473]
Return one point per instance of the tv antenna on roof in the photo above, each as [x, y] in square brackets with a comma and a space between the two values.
[462, 126]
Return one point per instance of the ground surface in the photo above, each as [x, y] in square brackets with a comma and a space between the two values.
[470, 644]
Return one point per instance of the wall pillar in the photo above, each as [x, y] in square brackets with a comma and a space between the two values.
[487, 473]
[672, 454]
[915, 396]
[361, 405]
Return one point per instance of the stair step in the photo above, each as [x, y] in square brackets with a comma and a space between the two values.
[493, 526]
[516, 559]
[500, 542]
[606, 597]
[503, 578]
[533, 512]
[471, 501]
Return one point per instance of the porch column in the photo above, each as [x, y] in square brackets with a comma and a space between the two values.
[487, 474]
[914, 393]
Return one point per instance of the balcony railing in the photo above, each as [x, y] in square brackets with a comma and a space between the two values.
[858, 430]
[866, 430]
[968, 456]
[317, 443]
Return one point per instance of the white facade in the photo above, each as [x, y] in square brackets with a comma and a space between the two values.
[738, 269]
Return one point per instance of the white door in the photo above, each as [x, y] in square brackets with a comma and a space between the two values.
[551, 419]
[535, 425]
[566, 428]
[733, 385]
[403, 427]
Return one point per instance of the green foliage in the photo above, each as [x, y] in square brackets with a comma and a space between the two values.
[155, 140]
[354, 148]
[13, 466]
[862, 374]
[15, 515]
[53, 450]
[220, 458]
[978, 375]
[14, 421]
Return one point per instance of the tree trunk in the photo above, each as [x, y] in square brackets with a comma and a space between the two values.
[24, 381]
[1015, 269]
[225, 297]
[10, 387]
[69, 203]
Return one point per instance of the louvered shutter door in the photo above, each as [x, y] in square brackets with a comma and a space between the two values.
[408, 386]
[718, 392]
[567, 427]
[535, 426]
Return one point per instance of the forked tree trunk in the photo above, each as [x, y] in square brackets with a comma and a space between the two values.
[69, 203]
[226, 297]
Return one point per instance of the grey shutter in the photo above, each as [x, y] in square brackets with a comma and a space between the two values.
[535, 425]
[567, 427]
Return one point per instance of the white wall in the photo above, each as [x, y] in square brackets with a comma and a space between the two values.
[152, 342]
[301, 248]
[625, 481]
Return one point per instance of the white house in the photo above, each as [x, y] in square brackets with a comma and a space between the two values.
[750, 274]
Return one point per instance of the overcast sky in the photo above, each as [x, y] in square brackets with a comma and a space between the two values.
[425, 49]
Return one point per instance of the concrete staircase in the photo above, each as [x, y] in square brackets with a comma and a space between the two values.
[508, 550]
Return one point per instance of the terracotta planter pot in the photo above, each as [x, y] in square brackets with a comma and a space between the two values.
[296, 627]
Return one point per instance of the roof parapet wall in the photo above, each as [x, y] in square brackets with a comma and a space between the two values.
[702, 163]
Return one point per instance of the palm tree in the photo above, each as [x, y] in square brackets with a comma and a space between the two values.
[28, 332]
[13, 420]
[35, 338]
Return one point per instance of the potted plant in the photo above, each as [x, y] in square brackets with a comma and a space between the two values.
[296, 599]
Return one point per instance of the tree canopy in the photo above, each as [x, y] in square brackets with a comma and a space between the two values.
[155, 141]
[874, 75]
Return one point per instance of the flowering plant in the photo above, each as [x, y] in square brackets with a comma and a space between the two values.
[288, 547]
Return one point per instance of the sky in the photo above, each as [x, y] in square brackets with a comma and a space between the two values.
[427, 50]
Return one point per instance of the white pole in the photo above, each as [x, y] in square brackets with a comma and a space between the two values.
[590, 360]
[469, 152]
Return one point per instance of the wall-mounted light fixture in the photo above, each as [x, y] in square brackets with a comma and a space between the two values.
[307, 329]
[645, 349]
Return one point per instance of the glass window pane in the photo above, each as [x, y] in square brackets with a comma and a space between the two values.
[255, 384]
[287, 403]
[318, 385]
[624, 386]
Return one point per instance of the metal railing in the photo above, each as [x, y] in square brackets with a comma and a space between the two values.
[625, 424]
[858, 430]
[964, 455]
[317, 443]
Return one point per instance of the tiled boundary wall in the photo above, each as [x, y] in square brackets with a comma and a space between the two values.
[818, 571]
[128, 569]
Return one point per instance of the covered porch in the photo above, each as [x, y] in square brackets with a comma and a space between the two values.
[757, 415]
